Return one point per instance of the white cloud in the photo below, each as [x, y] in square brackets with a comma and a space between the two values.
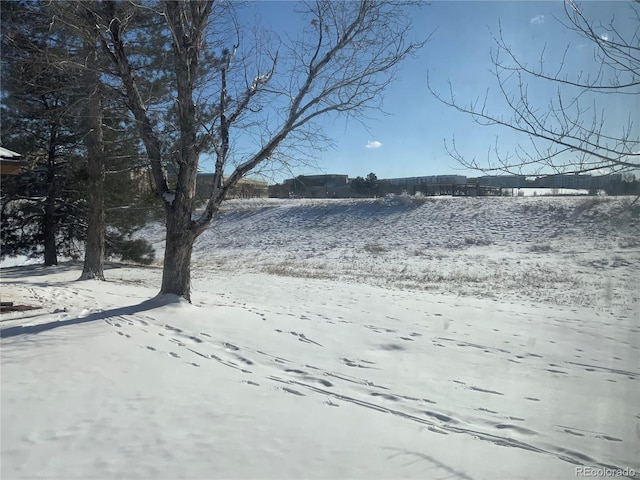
[374, 144]
[537, 19]
[604, 37]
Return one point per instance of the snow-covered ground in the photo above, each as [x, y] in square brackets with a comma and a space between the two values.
[486, 338]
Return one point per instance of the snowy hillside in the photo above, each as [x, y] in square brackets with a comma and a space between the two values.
[582, 251]
[487, 338]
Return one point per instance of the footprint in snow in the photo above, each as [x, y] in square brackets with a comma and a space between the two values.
[244, 360]
[323, 382]
[478, 389]
[515, 428]
[291, 390]
[386, 396]
[611, 439]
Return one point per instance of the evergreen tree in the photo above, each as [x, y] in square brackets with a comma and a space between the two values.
[39, 209]
[369, 186]
[44, 117]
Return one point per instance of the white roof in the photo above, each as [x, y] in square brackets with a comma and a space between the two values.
[8, 154]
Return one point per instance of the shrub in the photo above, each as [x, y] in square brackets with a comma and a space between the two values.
[374, 248]
[589, 203]
[132, 250]
[629, 242]
[477, 241]
[540, 248]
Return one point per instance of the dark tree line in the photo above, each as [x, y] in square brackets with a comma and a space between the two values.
[77, 140]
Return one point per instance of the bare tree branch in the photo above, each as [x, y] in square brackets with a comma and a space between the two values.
[573, 125]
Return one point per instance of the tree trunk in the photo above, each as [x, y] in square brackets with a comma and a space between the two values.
[176, 272]
[181, 230]
[49, 221]
[49, 226]
[94, 250]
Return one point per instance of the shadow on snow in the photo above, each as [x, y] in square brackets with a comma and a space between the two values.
[151, 304]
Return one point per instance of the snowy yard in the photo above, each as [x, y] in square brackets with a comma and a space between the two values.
[470, 338]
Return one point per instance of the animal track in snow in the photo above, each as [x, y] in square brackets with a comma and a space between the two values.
[303, 338]
[484, 390]
[357, 363]
[515, 428]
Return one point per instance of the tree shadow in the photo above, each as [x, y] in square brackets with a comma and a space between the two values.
[151, 304]
[450, 471]
[39, 270]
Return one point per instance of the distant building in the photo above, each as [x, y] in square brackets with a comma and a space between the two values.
[313, 186]
[10, 162]
[430, 180]
[429, 185]
[339, 186]
[327, 180]
[245, 188]
[502, 181]
[577, 181]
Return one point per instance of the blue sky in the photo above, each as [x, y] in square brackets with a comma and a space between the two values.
[409, 141]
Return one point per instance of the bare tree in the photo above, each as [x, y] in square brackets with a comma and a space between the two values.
[340, 64]
[571, 133]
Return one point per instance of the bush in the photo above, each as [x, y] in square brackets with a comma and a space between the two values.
[131, 250]
[589, 203]
[481, 242]
[540, 248]
[374, 248]
[629, 242]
